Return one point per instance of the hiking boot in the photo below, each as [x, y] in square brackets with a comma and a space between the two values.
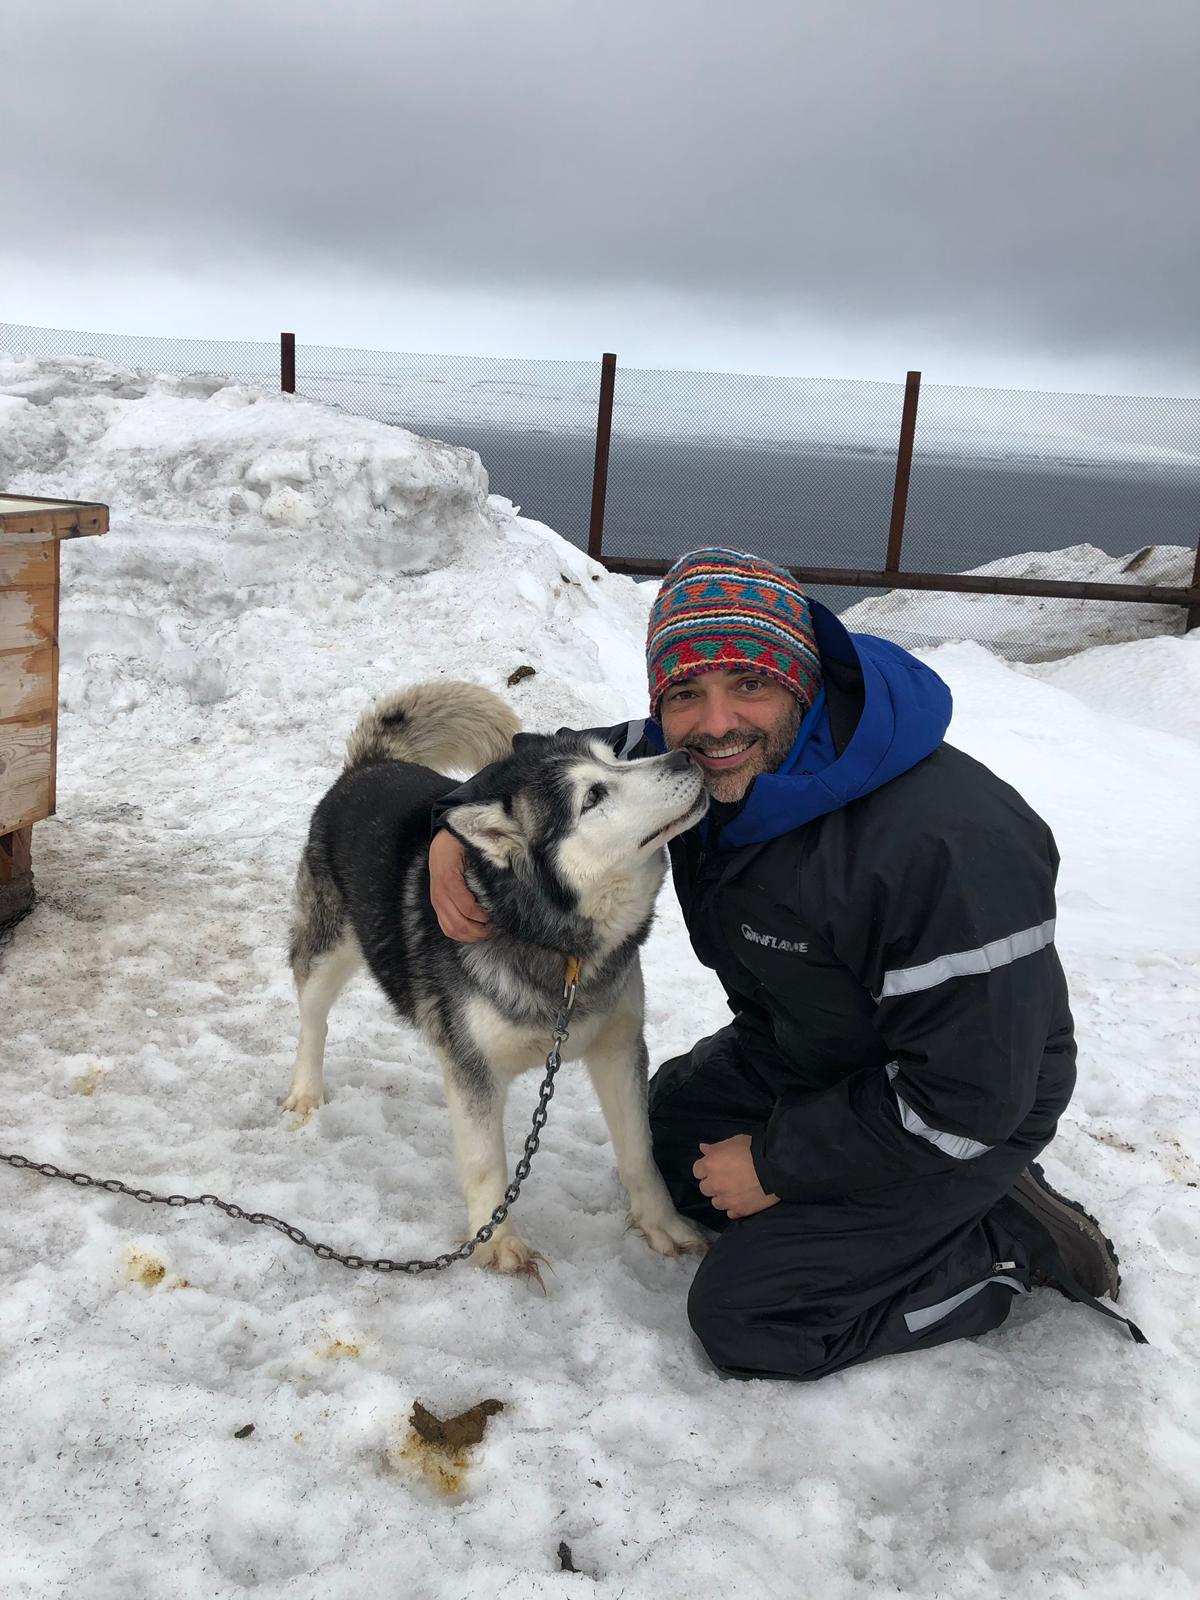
[1076, 1237]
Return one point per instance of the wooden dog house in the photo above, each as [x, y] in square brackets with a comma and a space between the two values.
[31, 532]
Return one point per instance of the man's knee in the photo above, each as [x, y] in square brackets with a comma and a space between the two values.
[711, 1320]
[763, 1306]
[672, 1075]
[739, 1343]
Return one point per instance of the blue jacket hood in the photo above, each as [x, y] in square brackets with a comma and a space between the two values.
[905, 713]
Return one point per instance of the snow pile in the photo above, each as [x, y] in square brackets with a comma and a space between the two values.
[1027, 628]
[213, 663]
[281, 527]
[1153, 683]
[227, 451]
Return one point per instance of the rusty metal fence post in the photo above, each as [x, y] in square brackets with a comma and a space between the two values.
[1191, 617]
[608, 380]
[908, 428]
[287, 362]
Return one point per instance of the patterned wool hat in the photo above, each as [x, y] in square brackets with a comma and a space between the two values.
[726, 610]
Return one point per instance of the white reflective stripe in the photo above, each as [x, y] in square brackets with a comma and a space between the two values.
[950, 1144]
[918, 1321]
[633, 732]
[967, 963]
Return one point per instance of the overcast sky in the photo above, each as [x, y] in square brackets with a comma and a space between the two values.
[994, 192]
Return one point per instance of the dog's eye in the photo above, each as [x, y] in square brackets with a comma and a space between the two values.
[594, 796]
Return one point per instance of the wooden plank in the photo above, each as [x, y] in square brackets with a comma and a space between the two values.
[13, 538]
[52, 799]
[46, 502]
[23, 515]
[26, 618]
[24, 774]
[16, 875]
[28, 565]
[27, 679]
[16, 853]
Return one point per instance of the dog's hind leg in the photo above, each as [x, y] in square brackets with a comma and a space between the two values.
[328, 975]
[475, 1098]
[325, 956]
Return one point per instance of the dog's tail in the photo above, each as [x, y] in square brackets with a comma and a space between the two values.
[438, 725]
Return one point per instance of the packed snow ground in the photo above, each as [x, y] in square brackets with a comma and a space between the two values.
[217, 648]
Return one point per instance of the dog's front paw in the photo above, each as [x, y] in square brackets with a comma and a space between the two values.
[510, 1254]
[669, 1235]
[304, 1099]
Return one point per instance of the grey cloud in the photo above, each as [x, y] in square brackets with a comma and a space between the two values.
[1025, 168]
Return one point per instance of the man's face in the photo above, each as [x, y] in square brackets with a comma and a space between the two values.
[735, 725]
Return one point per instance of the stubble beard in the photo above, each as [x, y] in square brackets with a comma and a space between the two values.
[770, 750]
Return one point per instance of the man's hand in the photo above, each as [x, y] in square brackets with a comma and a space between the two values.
[459, 914]
[727, 1176]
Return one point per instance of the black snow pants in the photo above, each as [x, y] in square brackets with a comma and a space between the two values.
[806, 1288]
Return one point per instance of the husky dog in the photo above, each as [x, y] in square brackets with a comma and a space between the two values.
[564, 847]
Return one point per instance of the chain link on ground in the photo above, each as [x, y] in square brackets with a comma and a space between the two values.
[326, 1252]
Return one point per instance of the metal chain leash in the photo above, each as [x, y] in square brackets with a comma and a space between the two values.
[325, 1251]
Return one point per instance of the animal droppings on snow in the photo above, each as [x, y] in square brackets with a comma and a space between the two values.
[440, 1451]
[140, 1267]
[458, 1432]
[339, 1350]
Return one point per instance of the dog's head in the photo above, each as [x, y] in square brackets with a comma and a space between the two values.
[562, 805]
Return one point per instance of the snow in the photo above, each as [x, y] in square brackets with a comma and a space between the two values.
[230, 451]
[1024, 628]
[216, 649]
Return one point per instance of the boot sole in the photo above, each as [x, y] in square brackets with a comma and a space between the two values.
[1069, 1224]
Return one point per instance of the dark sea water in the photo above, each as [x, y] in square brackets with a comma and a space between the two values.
[832, 508]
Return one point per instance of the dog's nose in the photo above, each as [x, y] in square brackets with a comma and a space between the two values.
[678, 761]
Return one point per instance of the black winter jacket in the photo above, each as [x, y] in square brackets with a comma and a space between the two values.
[891, 971]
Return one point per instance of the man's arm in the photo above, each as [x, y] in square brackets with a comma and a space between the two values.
[459, 914]
[959, 956]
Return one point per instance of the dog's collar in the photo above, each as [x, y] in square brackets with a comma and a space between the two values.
[574, 968]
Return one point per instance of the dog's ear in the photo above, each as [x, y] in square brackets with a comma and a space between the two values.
[489, 828]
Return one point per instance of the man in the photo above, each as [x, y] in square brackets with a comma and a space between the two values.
[879, 909]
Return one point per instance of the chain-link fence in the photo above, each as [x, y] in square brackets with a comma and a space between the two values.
[800, 471]
[533, 423]
[1105, 487]
[243, 360]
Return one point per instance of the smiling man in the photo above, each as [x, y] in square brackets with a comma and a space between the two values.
[879, 909]
[735, 723]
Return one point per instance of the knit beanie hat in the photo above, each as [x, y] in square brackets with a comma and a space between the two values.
[726, 610]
